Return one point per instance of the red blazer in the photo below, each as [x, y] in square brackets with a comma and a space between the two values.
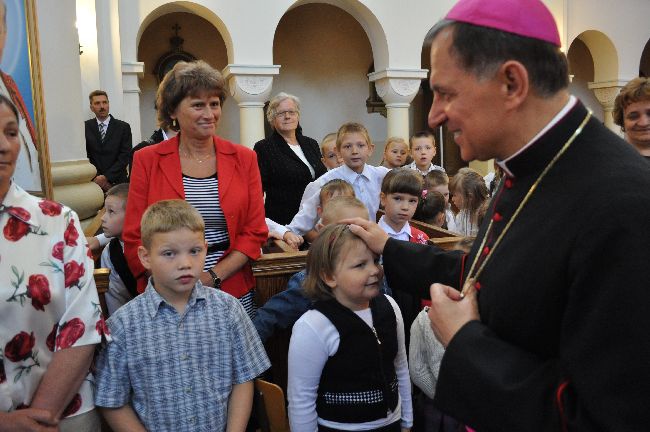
[156, 176]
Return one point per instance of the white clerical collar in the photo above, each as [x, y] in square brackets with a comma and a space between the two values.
[559, 116]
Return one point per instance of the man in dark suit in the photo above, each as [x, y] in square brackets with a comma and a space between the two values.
[108, 142]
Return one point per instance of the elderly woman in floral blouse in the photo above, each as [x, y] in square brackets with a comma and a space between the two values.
[50, 319]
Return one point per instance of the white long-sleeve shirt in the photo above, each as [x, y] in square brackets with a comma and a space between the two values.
[366, 185]
[313, 340]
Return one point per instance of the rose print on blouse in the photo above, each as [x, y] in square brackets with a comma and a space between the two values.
[50, 208]
[101, 327]
[37, 289]
[19, 349]
[73, 272]
[69, 333]
[18, 225]
[51, 338]
[71, 234]
[3, 375]
[73, 406]
[57, 257]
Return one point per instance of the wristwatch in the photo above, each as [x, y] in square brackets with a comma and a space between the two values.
[216, 280]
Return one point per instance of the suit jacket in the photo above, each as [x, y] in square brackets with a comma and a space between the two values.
[157, 176]
[111, 157]
[562, 342]
[285, 175]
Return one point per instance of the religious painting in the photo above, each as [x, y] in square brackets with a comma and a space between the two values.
[20, 73]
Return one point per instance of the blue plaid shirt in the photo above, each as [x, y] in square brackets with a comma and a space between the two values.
[177, 371]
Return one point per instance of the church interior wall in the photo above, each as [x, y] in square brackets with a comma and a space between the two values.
[325, 56]
[202, 40]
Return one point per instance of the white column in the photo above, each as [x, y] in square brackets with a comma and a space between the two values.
[397, 88]
[606, 92]
[109, 53]
[131, 71]
[250, 86]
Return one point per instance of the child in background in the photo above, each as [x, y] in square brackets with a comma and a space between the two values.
[165, 369]
[355, 147]
[400, 193]
[438, 181]
[331, 158]
[431, 209]
[350, 347]
[283, 309]
[395, 153]
[122, 286]
[331, 189]
[468, 193]
[423, 150]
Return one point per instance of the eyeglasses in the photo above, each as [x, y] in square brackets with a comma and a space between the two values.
[289, 113]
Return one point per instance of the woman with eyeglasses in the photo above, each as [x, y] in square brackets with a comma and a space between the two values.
[288, 160]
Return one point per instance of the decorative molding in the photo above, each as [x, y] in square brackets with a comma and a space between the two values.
[405, 87]
[253, 85]
[606, 96]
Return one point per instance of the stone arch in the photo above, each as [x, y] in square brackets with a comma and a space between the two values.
[603, 53]
[187, 7]
[153, 41]
[368, 21]
[324, 54]
[582, 72]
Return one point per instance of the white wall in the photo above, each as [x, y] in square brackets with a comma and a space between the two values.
[61, 72]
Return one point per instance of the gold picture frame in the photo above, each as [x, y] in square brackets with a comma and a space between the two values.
[21, 80]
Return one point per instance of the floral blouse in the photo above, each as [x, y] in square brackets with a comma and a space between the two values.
[48, 299]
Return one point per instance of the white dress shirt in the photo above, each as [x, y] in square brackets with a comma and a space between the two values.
[366, 185]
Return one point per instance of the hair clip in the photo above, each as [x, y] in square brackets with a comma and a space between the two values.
[424, 193]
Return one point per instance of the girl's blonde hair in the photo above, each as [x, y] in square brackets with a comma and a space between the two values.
[471, 186]
[323, 258]
[352, 127]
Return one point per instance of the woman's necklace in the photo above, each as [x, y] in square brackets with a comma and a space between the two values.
[471, 276]
[199, 159]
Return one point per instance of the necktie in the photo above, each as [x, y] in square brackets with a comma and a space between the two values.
[102, 131]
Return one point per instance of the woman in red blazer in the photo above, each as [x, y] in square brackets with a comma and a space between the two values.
[221, 179]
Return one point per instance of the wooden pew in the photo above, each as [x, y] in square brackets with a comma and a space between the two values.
[101, 282]
[272, 272]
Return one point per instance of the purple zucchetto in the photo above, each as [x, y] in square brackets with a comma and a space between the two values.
[529, 18]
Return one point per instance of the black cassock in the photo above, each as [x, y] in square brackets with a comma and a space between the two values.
[564, 336]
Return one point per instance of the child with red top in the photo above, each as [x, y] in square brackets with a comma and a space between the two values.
[401, 190]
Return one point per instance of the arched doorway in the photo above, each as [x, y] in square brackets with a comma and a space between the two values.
[581, 71]
[325, 53]
[644, 65]
[202, 40]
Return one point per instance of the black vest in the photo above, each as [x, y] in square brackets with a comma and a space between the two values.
[358, 383]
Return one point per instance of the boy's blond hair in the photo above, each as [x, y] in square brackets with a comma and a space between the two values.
[337, 204]
[335, 186]
[167, 216]
[326, 139]
[352, 127]
[119, 190]
[435, 178]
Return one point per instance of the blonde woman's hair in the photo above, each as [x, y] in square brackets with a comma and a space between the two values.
[323, 258]
[352, 127]
[636, 90]
[167, 216]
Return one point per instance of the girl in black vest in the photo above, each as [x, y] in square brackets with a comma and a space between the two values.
[347, 360]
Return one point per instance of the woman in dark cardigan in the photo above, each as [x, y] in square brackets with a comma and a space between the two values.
[288, 160]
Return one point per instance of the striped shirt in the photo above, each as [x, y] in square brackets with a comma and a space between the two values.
[201, 193]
